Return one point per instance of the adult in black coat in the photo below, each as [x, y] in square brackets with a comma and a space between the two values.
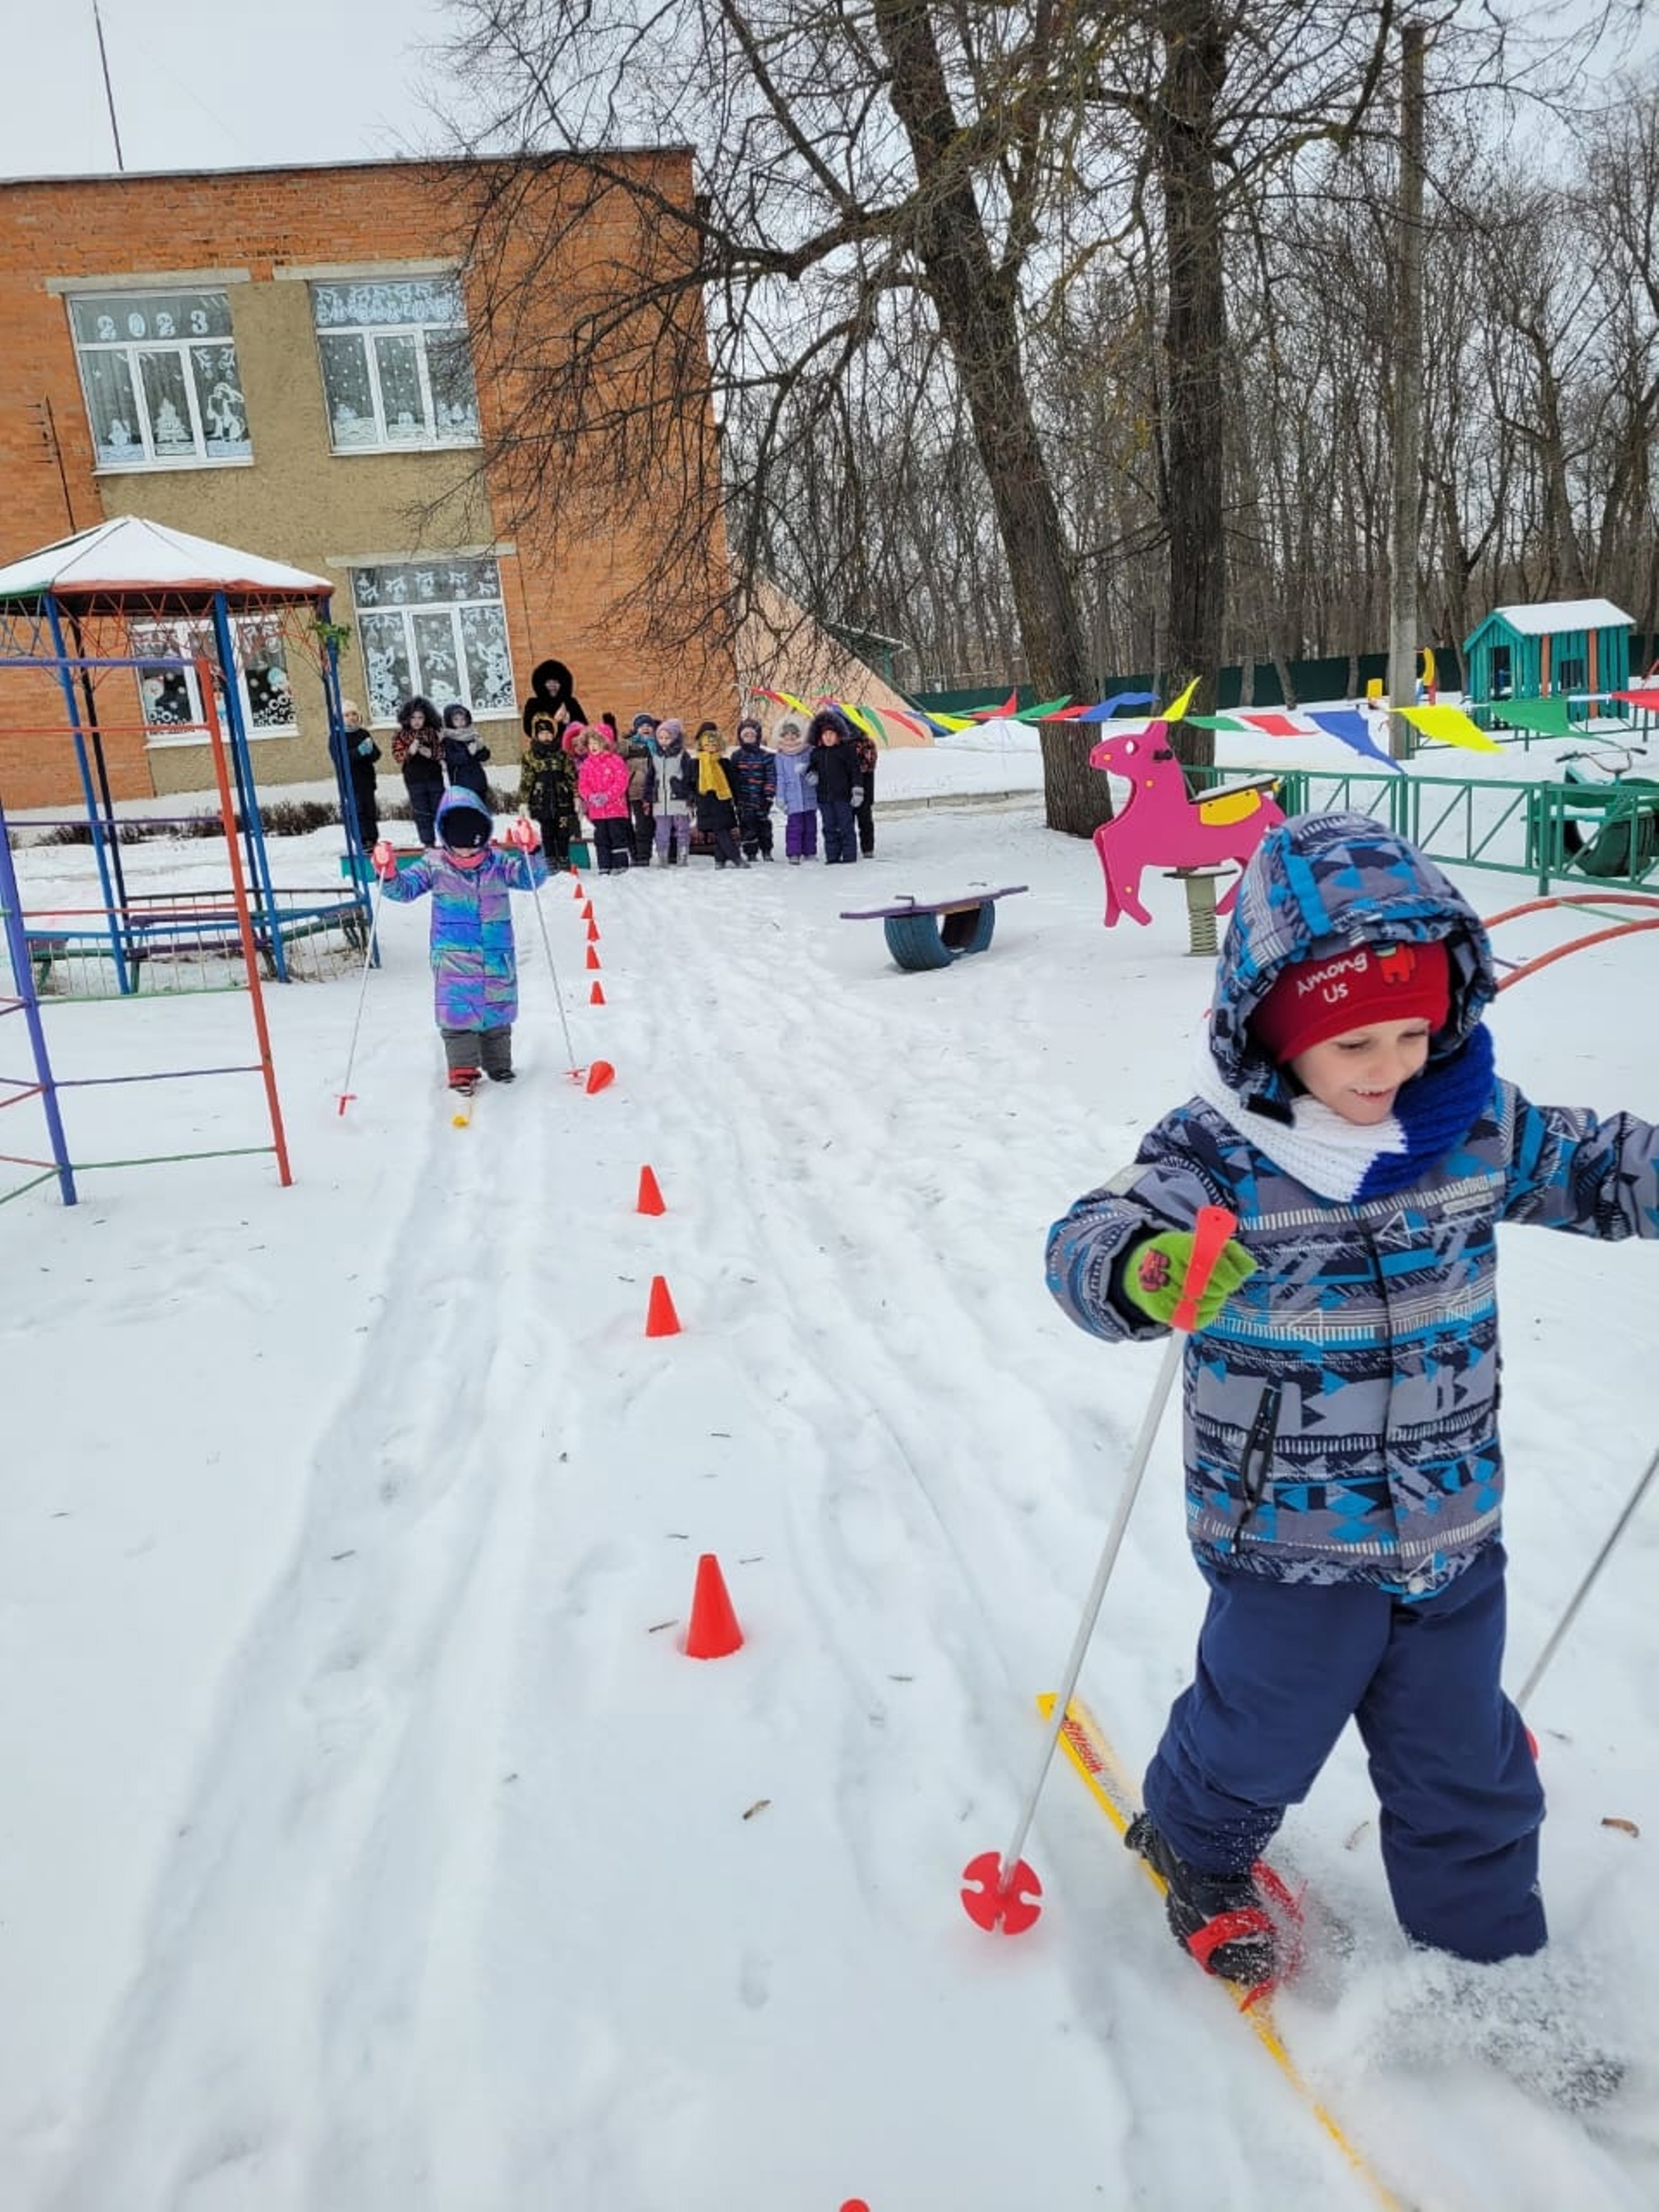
[418, 751]
[356, 752]
[552, 693]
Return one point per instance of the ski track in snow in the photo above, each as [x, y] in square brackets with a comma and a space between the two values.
[345, 1716]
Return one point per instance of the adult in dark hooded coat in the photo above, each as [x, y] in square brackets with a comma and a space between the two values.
[552, 693]
[417, 749]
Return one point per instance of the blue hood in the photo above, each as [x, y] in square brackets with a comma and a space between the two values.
[458, 800]
[1321, 884]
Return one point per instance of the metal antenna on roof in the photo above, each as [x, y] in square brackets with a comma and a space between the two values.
[109, 90]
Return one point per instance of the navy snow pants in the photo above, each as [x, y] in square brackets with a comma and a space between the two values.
[840, 837]
[1282, 1666]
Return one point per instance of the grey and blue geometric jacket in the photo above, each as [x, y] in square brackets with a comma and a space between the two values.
[1341, 1411]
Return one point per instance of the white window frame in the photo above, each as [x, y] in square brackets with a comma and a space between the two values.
[432, 438]
[180, 639]
[407, 609]
[129, 346]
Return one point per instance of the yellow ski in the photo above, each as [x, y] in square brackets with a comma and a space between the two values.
[1085, 1744]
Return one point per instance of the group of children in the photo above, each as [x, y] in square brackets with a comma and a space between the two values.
[645, 793]
[642, 795]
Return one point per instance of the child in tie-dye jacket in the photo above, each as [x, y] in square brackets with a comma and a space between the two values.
[475, 967]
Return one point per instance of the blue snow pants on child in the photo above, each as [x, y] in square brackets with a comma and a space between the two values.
[1283, 1666]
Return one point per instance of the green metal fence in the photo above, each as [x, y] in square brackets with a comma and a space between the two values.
[1554, 832]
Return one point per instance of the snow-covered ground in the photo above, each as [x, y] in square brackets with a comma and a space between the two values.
[368, 1845]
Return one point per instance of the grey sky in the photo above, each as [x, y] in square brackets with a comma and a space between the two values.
[262, 81]
[250, 83]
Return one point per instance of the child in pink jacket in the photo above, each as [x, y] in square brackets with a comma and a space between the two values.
[602, 787]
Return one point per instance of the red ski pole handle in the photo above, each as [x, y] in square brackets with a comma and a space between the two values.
[1212, 1232]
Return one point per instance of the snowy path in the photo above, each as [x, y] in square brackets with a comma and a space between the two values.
[477, 1895]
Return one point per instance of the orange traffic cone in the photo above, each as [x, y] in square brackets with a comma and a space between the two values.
[600, 1075]
[592, 958]
[650, 1200]
[596, 996]
[586, 913]
[592, 932]
[660, 1318]
[713, 1632]
[575, 885]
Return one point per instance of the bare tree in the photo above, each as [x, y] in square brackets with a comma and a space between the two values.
[867, 166]
[954, 291]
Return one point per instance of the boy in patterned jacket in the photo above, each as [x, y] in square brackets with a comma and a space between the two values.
[752, 773]
[1344, 1476]
[475, 969]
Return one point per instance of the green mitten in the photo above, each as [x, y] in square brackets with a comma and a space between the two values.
[1155, 1276]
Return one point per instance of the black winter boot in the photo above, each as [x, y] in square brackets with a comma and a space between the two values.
[1220, 1918]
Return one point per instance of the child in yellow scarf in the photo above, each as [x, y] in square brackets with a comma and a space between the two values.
[716, 810]
[711, 763]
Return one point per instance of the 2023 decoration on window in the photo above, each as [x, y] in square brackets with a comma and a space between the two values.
[159, 372]
[172, 699]
[436, 627]
[396, 368]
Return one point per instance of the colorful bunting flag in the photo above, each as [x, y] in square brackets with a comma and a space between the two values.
[1549, 718]
[1275, 725]
[1353, 729]
[1050, 711]
[1451, 727]
[1108, 708]
[1215, 722]
[1177, 711]
[1005, 713]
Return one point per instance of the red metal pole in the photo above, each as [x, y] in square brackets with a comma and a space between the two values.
[244, 918]
[1578, 945]
[1572, 898]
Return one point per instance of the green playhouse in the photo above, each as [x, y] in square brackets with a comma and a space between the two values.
[1577, 648]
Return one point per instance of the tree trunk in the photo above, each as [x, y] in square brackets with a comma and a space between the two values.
[978, 315]
[1405, 533]
[1195, 358]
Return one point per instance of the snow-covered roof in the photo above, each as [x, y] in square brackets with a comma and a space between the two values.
[1552, 615]
[130, 562]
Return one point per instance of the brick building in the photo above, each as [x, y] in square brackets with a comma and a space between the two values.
[281, 359]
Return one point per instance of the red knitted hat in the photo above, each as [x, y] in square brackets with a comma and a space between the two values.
[1323, 999]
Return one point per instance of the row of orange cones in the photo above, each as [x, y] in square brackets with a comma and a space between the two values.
[713, 1632]
[595, 996]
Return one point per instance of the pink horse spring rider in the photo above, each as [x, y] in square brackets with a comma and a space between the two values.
[1161, 827]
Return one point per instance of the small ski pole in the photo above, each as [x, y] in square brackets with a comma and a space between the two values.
[1000, 1888]
[1584, 1587]
[526, 847]
[347, 1094]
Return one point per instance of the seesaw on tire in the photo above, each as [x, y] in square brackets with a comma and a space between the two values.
[931, 936]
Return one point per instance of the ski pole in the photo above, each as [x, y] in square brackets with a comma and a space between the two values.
[998, 1888]
[1584, 1587]
[347, 1094]
[526, 849]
